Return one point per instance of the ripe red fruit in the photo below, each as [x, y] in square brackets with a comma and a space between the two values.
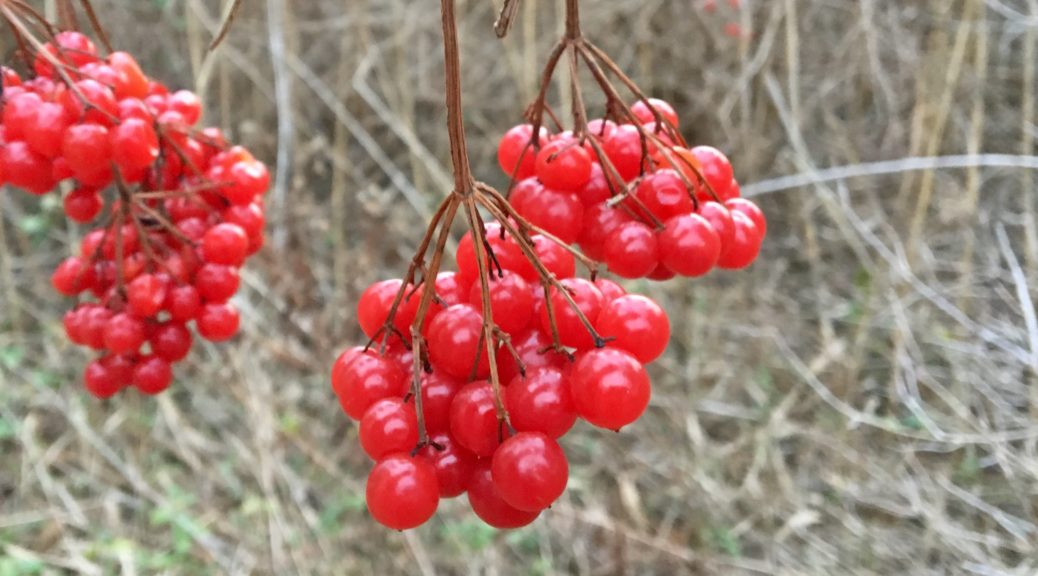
[689, 245]
[131, 81]
[73, 276]
[26, 169]
[610, 290]
[624, 149]
[217, 322]
[720, 218]
[752, 210]
[83, 205]
[438, 392]
[637, 325]
[488, 504]
[171, 342]
[388, 426]
[564, 165]
[225, 244]
[540, 402]
[717, 171]
[69, 48]
[455, 345]
[402, 492]
[183, 303]
[513, 155]
[631, 251]
[454, 465]
[645, 115]
[533, 348]
[44, 138]
[86, 148]
[664, 193]
[597, 189]
[572, 331]
[366, 380]
[473, 418]
[610, 388]
[559, 213]
[745, 245]
[99, 380]
[146, 295]
[217, 283]
[374, 305]
[600, 221]
[135, 145]
[152, 375]
[530, 471]
[511, 301]
[124, 334]
[506, 252]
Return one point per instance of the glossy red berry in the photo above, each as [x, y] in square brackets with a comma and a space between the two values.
[438, 392]
[217, 322]
[513, 153]
[171, 342]
[665, 194]
[100, 381]
[745, 245]
[637, 325]
[540, 402]
[488, 504]
[145, 295]
[152, 375]
[631, 251]
[689, 245]
[455, 345]
[511, 301]
[388, 426]
[366, 380]
[559, 213]
[564, 165]
[644, 111]
[402, 492]
[135, 145]
[530, 471]
[752, 210]
[454, 465]
[473, 418]
[610, 388]
[217, 283]
[572, 330]
[83, 205]
[225, 244]
[124, 334]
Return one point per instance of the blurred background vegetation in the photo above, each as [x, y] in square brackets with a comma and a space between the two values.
[863, 400]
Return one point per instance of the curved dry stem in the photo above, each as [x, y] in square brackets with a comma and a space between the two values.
[225, 26]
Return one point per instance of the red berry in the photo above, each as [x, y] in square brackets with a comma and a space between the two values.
[87, 150]
[752, 210]
[183, 303]
[564, 165]
[455, 345]
[510, 301]
[643, 111]
[146, 295]
[99, 380]
[610, 388]
[745, 245]
[610, 290]
[624, 149]
[597, 189]
[540, 402]
[26, 169]
[152, 375]
[474, 422]
[454, 465]
[600, 221]
[631, 251]
[533, 347]
[135, 145]
[366, 380]
[124, 334]
[513, 155]
[225, 244]
[216, 283]
[388, 426]
[217, 322]
[720, 218]
[717, 171]
[488, 504]
[374, 306]
[83, 205]
[637, 325]
[72, 276]
[572, 331]
[402, 492]
[132, 83]
[171, 342]
[530, 471]
[44, 138]
[559, 213]
[689, 245]
[665, 195]
[438, 392]
[506, 253]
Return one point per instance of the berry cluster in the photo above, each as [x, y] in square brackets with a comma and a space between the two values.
[642, 211]
[188, 208]
[555, 365]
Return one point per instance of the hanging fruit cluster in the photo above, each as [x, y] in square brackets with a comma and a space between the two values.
[184, 212]
[471, 377]
[671, 224]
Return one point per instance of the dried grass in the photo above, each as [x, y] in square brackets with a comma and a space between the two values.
[864, 400]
